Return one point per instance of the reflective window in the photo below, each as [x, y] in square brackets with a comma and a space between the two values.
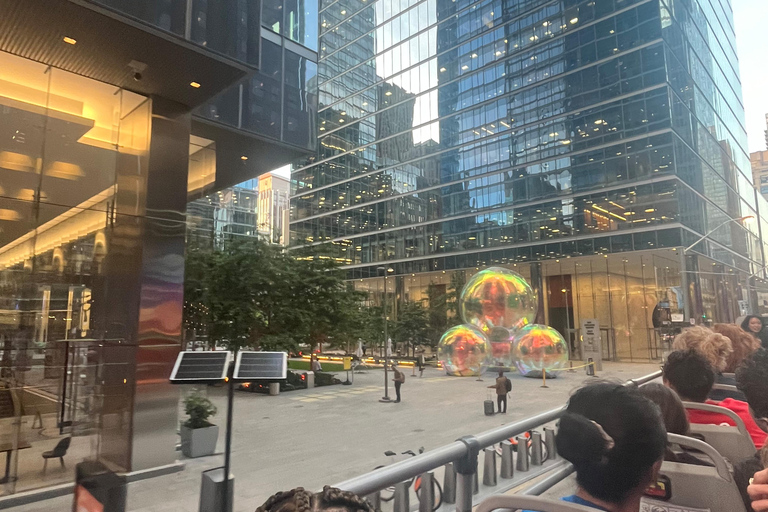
[301, 22]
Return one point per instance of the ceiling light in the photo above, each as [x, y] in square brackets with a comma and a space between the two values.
[388, 93]
[243, 158]
[194, 84]
[69, 40]
[574, 21]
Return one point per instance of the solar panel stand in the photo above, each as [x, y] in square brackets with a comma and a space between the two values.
[226, 506]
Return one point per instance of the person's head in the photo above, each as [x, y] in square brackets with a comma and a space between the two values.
[672, 410]
[690, 374]
[715, 347]
[501, 373]
[394, 366]
[743, 343]
[329, 500]
[615, 439]
[752, 380]
[752, 324]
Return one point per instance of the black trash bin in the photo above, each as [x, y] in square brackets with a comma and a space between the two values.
[98, 489]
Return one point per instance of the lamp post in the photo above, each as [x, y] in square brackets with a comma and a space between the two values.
[386, 398]
[683, 273]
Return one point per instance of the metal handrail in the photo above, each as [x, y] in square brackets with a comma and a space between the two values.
[387, 476]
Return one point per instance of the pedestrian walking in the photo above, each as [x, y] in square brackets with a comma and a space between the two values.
[503, 386]
[420, 363]
[398, 380]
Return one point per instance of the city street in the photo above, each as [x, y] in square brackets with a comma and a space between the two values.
[325, 435]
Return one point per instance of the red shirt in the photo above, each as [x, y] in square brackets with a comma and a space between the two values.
[742, 411]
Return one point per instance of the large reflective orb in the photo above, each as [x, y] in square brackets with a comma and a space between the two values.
[497, 297]
[463, 351]
[501, 349]
[538, 348]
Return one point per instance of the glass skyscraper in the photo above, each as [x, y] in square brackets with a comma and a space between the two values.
[586, 144]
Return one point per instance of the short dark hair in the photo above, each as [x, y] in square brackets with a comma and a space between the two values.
[752, 380]
[611, 473]
[690, 374]
[672, 410]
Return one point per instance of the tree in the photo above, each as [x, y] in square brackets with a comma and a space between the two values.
[437, 316]
[458, 281]
[249, 293]
[411, 325]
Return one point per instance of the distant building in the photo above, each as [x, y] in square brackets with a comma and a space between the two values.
[217, 217]
[759, 161]
[274, 200]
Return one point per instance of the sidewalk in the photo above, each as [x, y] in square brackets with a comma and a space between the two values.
[325, 435]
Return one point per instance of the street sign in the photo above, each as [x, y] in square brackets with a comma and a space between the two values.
[200, 366]
[261, 366]
[591, 343]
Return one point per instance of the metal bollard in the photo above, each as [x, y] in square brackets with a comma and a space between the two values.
[427, 492]
[375, 500]
[549, 442]
[449, 484]
[464, 491]
[507, 460]
[522, 453]
[402, 502]
[489, 467]
[537, 458]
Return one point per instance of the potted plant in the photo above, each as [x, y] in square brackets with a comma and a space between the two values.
[198, 435]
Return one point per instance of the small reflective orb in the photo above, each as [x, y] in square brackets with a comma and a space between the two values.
[497, 297]
[464, 351]
[538, 348]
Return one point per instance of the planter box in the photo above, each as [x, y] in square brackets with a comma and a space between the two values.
[199, 442]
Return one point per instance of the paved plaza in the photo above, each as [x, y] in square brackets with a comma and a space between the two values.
[325, 435]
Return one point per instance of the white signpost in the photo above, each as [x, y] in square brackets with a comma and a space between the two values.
[591, 344]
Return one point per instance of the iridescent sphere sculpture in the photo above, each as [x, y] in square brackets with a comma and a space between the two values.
[497, 297]
[463, 351]
[539, 348]
[501, 349]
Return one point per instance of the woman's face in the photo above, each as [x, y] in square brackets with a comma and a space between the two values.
[755, 325]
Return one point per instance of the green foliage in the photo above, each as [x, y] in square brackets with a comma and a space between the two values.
[199, 409]
[252, 294]
[411, 324]
[458, 280]
[437, 321]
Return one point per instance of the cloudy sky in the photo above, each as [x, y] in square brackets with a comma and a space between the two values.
[751, 19]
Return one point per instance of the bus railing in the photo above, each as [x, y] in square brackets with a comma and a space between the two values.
[460, 462]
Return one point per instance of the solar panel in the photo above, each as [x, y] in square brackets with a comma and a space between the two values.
[261, 366]
[201, 366]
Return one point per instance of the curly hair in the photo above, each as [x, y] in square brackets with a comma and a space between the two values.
[743, 343]
[301, 500]
[715, 347]
[752, 380]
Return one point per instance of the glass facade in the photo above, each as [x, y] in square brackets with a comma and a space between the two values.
[457, 134]
[68, 143]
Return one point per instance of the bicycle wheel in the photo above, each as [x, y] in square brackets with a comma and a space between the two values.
[388, 493]
[436, 490]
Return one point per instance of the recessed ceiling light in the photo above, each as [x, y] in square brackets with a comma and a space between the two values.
[194, 84]
[243, 158]
[69, 40]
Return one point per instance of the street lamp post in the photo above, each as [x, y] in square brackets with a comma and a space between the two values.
[683, 273]
[386, 398]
